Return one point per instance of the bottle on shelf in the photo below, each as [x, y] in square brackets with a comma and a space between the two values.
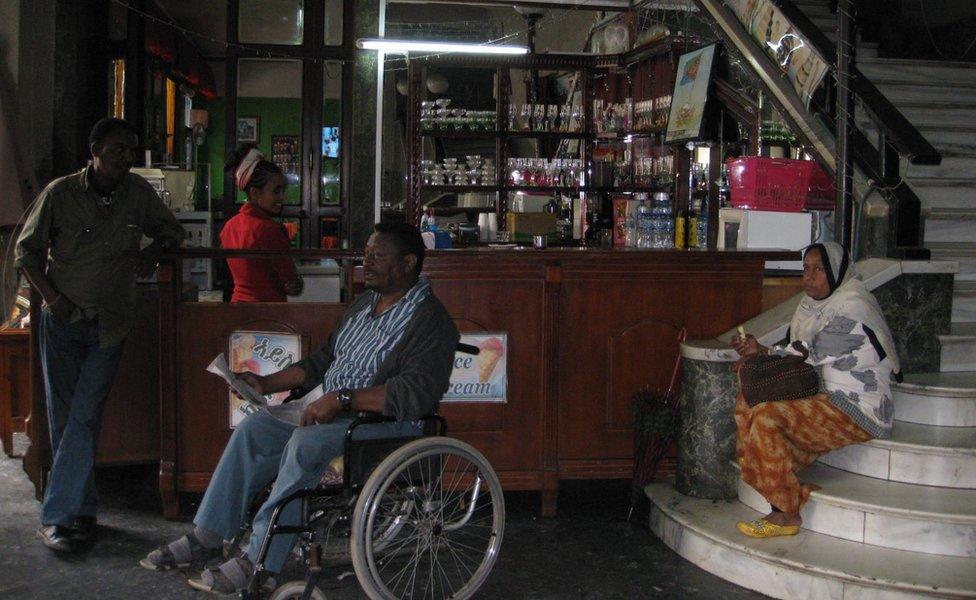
[663, 236]
[692, 223]
[723, 188]
[645, 224]
[679, 229]
[630, 230]
[703, 223]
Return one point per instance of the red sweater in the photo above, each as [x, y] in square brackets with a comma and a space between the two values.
[257, 279]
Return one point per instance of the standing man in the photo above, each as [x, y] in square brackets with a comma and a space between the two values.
[88, 227]
[392, 352]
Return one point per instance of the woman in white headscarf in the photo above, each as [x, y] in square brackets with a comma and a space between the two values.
[841, 325]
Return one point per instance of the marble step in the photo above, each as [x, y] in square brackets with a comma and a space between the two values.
[806, 566]
[964, 302]
[915, 454]
[890, 514]
[952, 166]
[951, 225]
[962, 253]
[934, 95]
[931, 72]
[943, 135]
[948, 137]
[945, 399]
[816, 9]
[939, 192]
[959, 347]
[864, 49]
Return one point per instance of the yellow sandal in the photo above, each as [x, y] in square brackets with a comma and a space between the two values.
[761, 528]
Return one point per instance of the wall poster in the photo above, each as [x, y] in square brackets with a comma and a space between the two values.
[482, 377]
[263, 353]
[691, 85]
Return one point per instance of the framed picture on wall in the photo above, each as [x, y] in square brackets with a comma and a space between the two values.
[248, 129]
[692, 83]
[611, 36]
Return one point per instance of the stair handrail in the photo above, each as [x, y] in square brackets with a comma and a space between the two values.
[898, 130]
[880, 165]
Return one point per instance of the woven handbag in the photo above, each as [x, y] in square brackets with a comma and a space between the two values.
[765, 378]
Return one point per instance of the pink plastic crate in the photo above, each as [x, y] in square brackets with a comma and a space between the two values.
[779, 184]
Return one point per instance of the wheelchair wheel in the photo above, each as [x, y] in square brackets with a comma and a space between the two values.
[293, 590]
[428, 523]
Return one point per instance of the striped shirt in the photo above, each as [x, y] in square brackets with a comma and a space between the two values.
[365, 341]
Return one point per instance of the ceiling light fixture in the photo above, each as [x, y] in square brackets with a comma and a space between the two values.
[388, 45]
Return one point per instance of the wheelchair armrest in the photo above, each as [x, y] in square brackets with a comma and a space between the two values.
[369, 418]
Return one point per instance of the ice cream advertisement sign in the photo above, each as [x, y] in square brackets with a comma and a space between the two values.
[262, 353]
[482, 377]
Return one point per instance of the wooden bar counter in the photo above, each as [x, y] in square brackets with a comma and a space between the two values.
[586, 330]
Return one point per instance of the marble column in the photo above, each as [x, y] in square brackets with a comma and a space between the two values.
[917, 307]
[706, 440]
[362, 172]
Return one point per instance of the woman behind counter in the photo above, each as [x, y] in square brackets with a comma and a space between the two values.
[850, 345]
[259, 279]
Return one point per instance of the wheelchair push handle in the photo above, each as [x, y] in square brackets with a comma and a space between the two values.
[468, 349]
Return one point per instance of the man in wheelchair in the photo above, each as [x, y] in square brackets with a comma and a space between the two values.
[391, 353]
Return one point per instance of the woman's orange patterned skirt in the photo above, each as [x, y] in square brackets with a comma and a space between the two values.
[778, 439]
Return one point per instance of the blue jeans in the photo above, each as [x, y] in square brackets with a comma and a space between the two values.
[78, 376]
[264, 449]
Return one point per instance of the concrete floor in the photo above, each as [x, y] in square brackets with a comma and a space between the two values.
[588, 551]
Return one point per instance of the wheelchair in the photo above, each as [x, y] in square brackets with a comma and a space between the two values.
[424, 517]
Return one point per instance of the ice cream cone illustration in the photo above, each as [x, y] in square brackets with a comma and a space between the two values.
[491, 352]
[241, 351]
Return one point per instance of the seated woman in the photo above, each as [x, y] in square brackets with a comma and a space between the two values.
[259, 279]
[840, 323]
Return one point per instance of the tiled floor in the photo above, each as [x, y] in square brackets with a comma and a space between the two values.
[588, 551]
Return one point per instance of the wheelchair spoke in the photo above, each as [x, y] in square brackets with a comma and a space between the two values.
[399, 575]
[431, 525]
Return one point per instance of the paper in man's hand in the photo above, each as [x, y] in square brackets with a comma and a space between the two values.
[218, 366]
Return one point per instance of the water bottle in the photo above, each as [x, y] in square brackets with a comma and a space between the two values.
[703, 223]
[630, 228]
[664, 230]
[645, 225]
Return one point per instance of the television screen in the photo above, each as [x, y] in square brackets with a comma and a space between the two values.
[330, 142]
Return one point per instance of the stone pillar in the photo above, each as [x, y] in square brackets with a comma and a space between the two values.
[706, 440]
[368, 22]
[918, 308]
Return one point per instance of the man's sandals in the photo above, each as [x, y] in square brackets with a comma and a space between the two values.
[184, 552]
[229, 578]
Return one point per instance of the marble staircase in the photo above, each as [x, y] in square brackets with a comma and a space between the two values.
[939, 98]
[810, 565]
[894, 518]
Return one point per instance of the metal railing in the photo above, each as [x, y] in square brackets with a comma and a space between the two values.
[878, 160]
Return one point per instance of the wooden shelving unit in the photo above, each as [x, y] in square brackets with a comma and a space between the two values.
[619, 76]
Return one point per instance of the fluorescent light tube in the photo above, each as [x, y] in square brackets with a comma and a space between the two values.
[388, 45]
